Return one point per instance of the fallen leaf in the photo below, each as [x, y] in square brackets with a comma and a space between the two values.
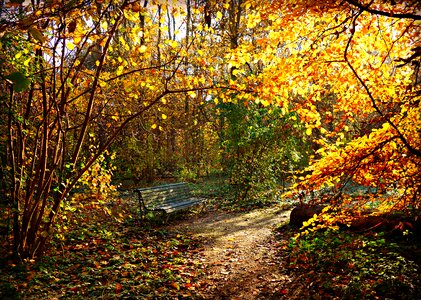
[284, 292]
[176, 286]
[118, 288]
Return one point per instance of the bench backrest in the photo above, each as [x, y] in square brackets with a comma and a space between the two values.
[164, 194]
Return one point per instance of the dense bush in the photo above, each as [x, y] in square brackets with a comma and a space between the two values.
[263, 146]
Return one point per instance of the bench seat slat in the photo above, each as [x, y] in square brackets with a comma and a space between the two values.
[178, 205]
[175, 204]
[168, 197]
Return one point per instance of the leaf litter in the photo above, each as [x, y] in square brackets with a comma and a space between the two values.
[108, 254]
[240, 260]
[101, 256]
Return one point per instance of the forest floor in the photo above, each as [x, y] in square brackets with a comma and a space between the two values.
[108, 253]
[239, 253]
[251, 255]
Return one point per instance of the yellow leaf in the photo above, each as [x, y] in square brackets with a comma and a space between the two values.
[154, 126]
[142, 49]
[120, 70]
[326, 208]
[386, 126]
[164, 116]
[309, 131]
[265, 102]
[70, 46]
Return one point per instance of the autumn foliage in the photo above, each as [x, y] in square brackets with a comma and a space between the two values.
[78, 76]
[353, 76]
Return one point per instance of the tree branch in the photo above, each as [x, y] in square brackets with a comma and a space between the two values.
[384, 13]
[413, 150]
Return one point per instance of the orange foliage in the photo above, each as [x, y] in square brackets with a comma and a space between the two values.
[367, 57]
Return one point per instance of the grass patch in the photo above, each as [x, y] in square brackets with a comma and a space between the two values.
[222, 195]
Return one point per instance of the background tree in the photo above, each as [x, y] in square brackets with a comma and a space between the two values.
[74, 75]
[263, 149]
[177, 137]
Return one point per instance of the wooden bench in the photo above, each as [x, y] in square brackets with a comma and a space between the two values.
[166, 198]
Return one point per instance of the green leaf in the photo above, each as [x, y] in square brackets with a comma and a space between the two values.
[36, 34]
[20, 82]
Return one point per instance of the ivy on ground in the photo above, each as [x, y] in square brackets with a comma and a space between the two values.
[349, 265]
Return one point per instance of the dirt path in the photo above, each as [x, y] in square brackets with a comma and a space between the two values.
[239, 254]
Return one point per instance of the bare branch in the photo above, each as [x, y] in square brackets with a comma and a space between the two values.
[413, 150]
[390, 14]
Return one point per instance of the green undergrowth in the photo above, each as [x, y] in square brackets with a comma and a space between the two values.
[222, 196]
[348, 265]
[102, 252]
[212, 187]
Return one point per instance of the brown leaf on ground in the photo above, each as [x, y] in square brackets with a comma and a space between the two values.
[239, 254]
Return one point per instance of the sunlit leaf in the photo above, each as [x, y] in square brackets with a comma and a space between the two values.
[70, 45]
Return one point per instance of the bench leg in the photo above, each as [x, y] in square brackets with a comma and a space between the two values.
[142, 214]
[167, 217]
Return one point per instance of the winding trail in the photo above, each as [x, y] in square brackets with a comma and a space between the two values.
[239, 254]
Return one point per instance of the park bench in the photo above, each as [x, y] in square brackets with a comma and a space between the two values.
[166, 198]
